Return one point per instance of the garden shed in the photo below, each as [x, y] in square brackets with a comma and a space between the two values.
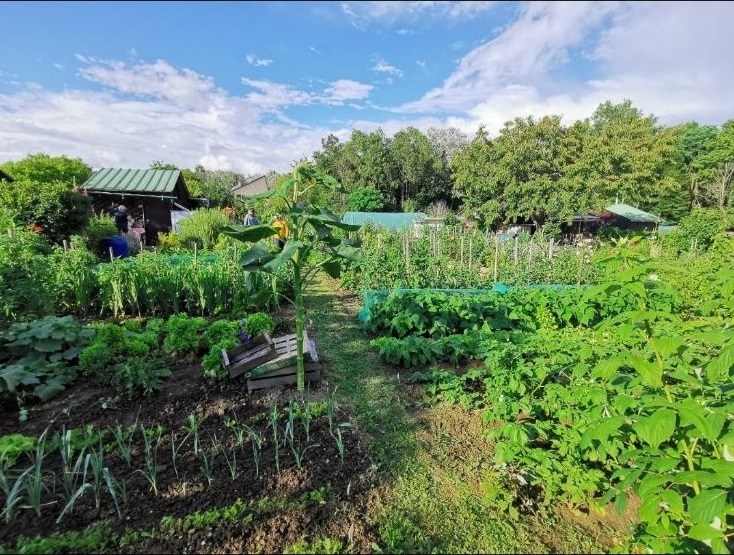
[149, 195]
[625, 216]
[390, 220]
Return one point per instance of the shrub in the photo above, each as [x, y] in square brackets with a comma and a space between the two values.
[23, 266]
[700, 227]
[97, 229]
[121, 358]
[258, 323]
[169, 242]
[366, 199]
[203, 228]
[183, 333]
[58, 211]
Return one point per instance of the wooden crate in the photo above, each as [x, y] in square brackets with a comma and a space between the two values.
[282, 369]
[249, 355]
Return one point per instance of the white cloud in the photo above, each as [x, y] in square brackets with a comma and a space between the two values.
[420, 63]
[361, 13]
[346, 89]
[670, 59]
[313, 49]
[58, 66]
[257, 62]
[159, 80]
[156, 111]
[276, 95]
[381, 66]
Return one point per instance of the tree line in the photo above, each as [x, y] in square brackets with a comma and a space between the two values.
[535, 170]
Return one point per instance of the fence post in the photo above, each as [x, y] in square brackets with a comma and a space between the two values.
[66, 247]
[550, 249]
[10, 232]
[496, 254]
[112, 255]
[517, 246]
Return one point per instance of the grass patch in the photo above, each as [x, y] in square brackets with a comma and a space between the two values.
[429, 501]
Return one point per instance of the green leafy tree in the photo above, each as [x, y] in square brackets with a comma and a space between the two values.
[523, 174]
[53, 207]
[420, 169]
[366, 162]
[311, 228]
[42, 168]
[695, 145]
[474, 183]
[627, 154]
[366, 199]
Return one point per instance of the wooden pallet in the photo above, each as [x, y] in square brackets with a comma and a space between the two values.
[247, 356]
[282, 369]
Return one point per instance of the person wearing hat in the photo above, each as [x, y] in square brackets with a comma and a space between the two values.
[250, 218]
[121, 219]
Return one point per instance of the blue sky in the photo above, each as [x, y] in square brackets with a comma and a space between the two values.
[255, 86]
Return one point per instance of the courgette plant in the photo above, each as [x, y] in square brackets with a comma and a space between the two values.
[302, 218]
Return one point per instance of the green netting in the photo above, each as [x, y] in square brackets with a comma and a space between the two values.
[204, 259]
[374, 296]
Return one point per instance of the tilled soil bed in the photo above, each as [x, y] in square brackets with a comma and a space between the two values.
[214, 498]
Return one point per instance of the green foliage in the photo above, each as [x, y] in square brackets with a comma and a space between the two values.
[202, 227]
[312, 230]
[162, 284]
[58, 211]
[36, 358]
[184, 333]
[92, 540]
[451, 257]
[698, 229]
[258, 323]
[71, 279]
[122, 359]
[366, 199]
[14, 445]
[23, 267]
[637, 404]
[321, 545]
[98, 227]
[43, 168]
[169, 242]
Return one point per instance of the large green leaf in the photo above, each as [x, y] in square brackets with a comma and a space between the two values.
[350, 253]
[704, 507]
[332, 268]
[693, 414]
[290, 249]
[12, 375]
[330, 220]
[52, 387]
[256, 256]
[656, 428]
[721, 366]
[704, 532]
[666, 346]
[251, 233]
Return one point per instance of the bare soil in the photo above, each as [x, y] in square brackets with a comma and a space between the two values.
[325, 497]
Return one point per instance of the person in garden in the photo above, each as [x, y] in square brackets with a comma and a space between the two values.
[121, 222]
[251, 218]
[282, 227]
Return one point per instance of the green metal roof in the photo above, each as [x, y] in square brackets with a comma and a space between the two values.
[390, 220]
[116, 180]
[632, 213]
